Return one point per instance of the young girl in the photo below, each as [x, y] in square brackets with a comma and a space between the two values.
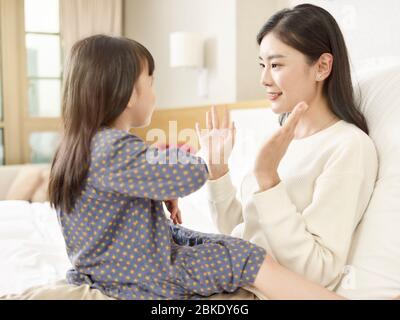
[108, 187]
[310, 186]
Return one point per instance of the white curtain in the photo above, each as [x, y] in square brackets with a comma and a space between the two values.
[83, 18]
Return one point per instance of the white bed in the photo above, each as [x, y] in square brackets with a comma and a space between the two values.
[32, 249]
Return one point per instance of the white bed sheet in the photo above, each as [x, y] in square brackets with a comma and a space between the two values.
[32, 249]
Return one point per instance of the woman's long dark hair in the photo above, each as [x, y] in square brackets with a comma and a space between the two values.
[313, 31]
[99, 79]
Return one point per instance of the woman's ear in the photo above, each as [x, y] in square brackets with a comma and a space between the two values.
[324, 66]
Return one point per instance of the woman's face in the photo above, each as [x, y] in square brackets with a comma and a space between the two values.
[286, 75]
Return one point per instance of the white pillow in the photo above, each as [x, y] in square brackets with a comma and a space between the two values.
[374, 261]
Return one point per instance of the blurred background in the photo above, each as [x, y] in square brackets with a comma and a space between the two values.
[35, 36]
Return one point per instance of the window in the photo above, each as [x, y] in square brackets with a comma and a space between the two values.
[43, 53]
[2, 160]
[31, 61]
[42, 146]
[44, 74]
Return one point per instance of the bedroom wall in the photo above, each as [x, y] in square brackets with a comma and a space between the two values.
[369, 27]
[229, 27]
[250, 17]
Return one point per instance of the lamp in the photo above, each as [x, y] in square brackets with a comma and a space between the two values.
[187, 51]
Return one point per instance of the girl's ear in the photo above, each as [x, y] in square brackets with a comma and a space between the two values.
[324, 66]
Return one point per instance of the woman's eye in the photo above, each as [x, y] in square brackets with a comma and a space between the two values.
[273, 65]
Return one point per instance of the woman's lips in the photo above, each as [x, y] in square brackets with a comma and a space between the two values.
[274, 96]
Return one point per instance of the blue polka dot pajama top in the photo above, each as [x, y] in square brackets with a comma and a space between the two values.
[120, 241]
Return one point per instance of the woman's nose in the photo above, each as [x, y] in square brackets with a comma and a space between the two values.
[266, 79]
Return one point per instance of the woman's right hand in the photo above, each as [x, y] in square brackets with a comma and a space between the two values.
[216, 142]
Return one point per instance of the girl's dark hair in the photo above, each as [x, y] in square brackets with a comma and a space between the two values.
[313, 31]
[99, 79]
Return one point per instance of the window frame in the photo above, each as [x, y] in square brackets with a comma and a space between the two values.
[1, 96]
[17, 124]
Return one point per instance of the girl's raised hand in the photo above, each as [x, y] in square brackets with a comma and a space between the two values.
[216, 142]
[273, 150]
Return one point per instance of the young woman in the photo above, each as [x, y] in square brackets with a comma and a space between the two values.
[310, 185]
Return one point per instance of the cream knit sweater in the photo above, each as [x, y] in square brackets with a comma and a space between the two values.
[307, 221]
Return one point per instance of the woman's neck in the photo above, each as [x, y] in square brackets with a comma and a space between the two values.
[318, 117]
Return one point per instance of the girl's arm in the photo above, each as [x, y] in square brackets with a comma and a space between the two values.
[217, 141]
[136, 170]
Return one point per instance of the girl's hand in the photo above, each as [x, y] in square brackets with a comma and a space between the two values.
[216, 142]
[172, 206]
[273, 150]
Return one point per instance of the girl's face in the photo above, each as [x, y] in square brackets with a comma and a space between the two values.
[142, 101]
[286, 75]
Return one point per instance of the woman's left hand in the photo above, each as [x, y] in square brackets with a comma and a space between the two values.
[172, 206]
[273, 150]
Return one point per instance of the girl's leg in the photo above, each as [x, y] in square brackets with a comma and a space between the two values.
[186, 237]
[277, 282]
[272, 281]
